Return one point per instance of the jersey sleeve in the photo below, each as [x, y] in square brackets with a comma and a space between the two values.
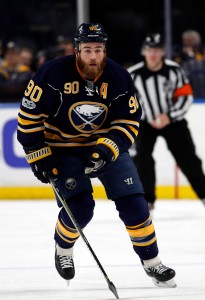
[36, 106]
[125, 117]
[182, 97]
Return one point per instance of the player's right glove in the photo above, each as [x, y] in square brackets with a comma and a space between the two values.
[101, 157]
[41, 162]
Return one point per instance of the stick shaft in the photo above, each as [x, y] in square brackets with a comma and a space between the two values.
[77, 226]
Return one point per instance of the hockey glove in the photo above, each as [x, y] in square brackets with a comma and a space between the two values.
[101, 157]
[41, 162]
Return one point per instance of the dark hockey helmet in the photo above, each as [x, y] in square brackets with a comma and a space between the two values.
[90, 33]
[153, 40]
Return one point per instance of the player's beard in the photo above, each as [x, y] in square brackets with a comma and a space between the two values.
[90, 72]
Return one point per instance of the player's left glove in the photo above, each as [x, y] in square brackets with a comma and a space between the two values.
[101, 157]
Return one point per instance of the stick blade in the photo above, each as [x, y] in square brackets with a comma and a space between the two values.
[113, 289]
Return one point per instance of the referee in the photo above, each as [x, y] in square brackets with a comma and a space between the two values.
[165, 95]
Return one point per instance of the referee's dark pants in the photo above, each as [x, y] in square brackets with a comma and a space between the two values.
[180, 144]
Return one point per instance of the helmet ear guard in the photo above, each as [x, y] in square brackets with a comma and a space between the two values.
[90, 33]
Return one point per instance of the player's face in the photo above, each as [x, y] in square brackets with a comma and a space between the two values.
[154, 58]
[91, 59]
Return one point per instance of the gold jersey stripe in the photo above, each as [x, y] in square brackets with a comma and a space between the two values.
[30, 116]
[135, 131]
[139, 225]
[57, 138]
[144, 244]
[141, 232]
[27, 122]
[126, 132]
[31, 130]
[63, 238]
[67, 232]
[65, 135]
[67, 227]
[71, 144]
[126, 122]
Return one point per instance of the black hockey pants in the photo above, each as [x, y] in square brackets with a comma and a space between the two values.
[180, 144]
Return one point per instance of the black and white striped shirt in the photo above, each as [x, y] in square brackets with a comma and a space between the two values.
[166, 91]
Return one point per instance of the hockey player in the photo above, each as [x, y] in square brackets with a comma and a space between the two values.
[79, 116]
[165, 95]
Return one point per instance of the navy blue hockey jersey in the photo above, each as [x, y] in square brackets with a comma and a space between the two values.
[64, 109]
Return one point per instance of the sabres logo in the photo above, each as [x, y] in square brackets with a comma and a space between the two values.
[87, 117]
[70, 183]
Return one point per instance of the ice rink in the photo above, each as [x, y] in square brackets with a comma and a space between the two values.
[27, 269]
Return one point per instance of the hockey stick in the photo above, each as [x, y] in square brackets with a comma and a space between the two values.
[77, 226]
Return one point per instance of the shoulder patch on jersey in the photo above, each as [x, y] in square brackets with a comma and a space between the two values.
[87, 117]
[28, 103]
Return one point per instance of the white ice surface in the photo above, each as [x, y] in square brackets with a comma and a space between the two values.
[27, 269]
